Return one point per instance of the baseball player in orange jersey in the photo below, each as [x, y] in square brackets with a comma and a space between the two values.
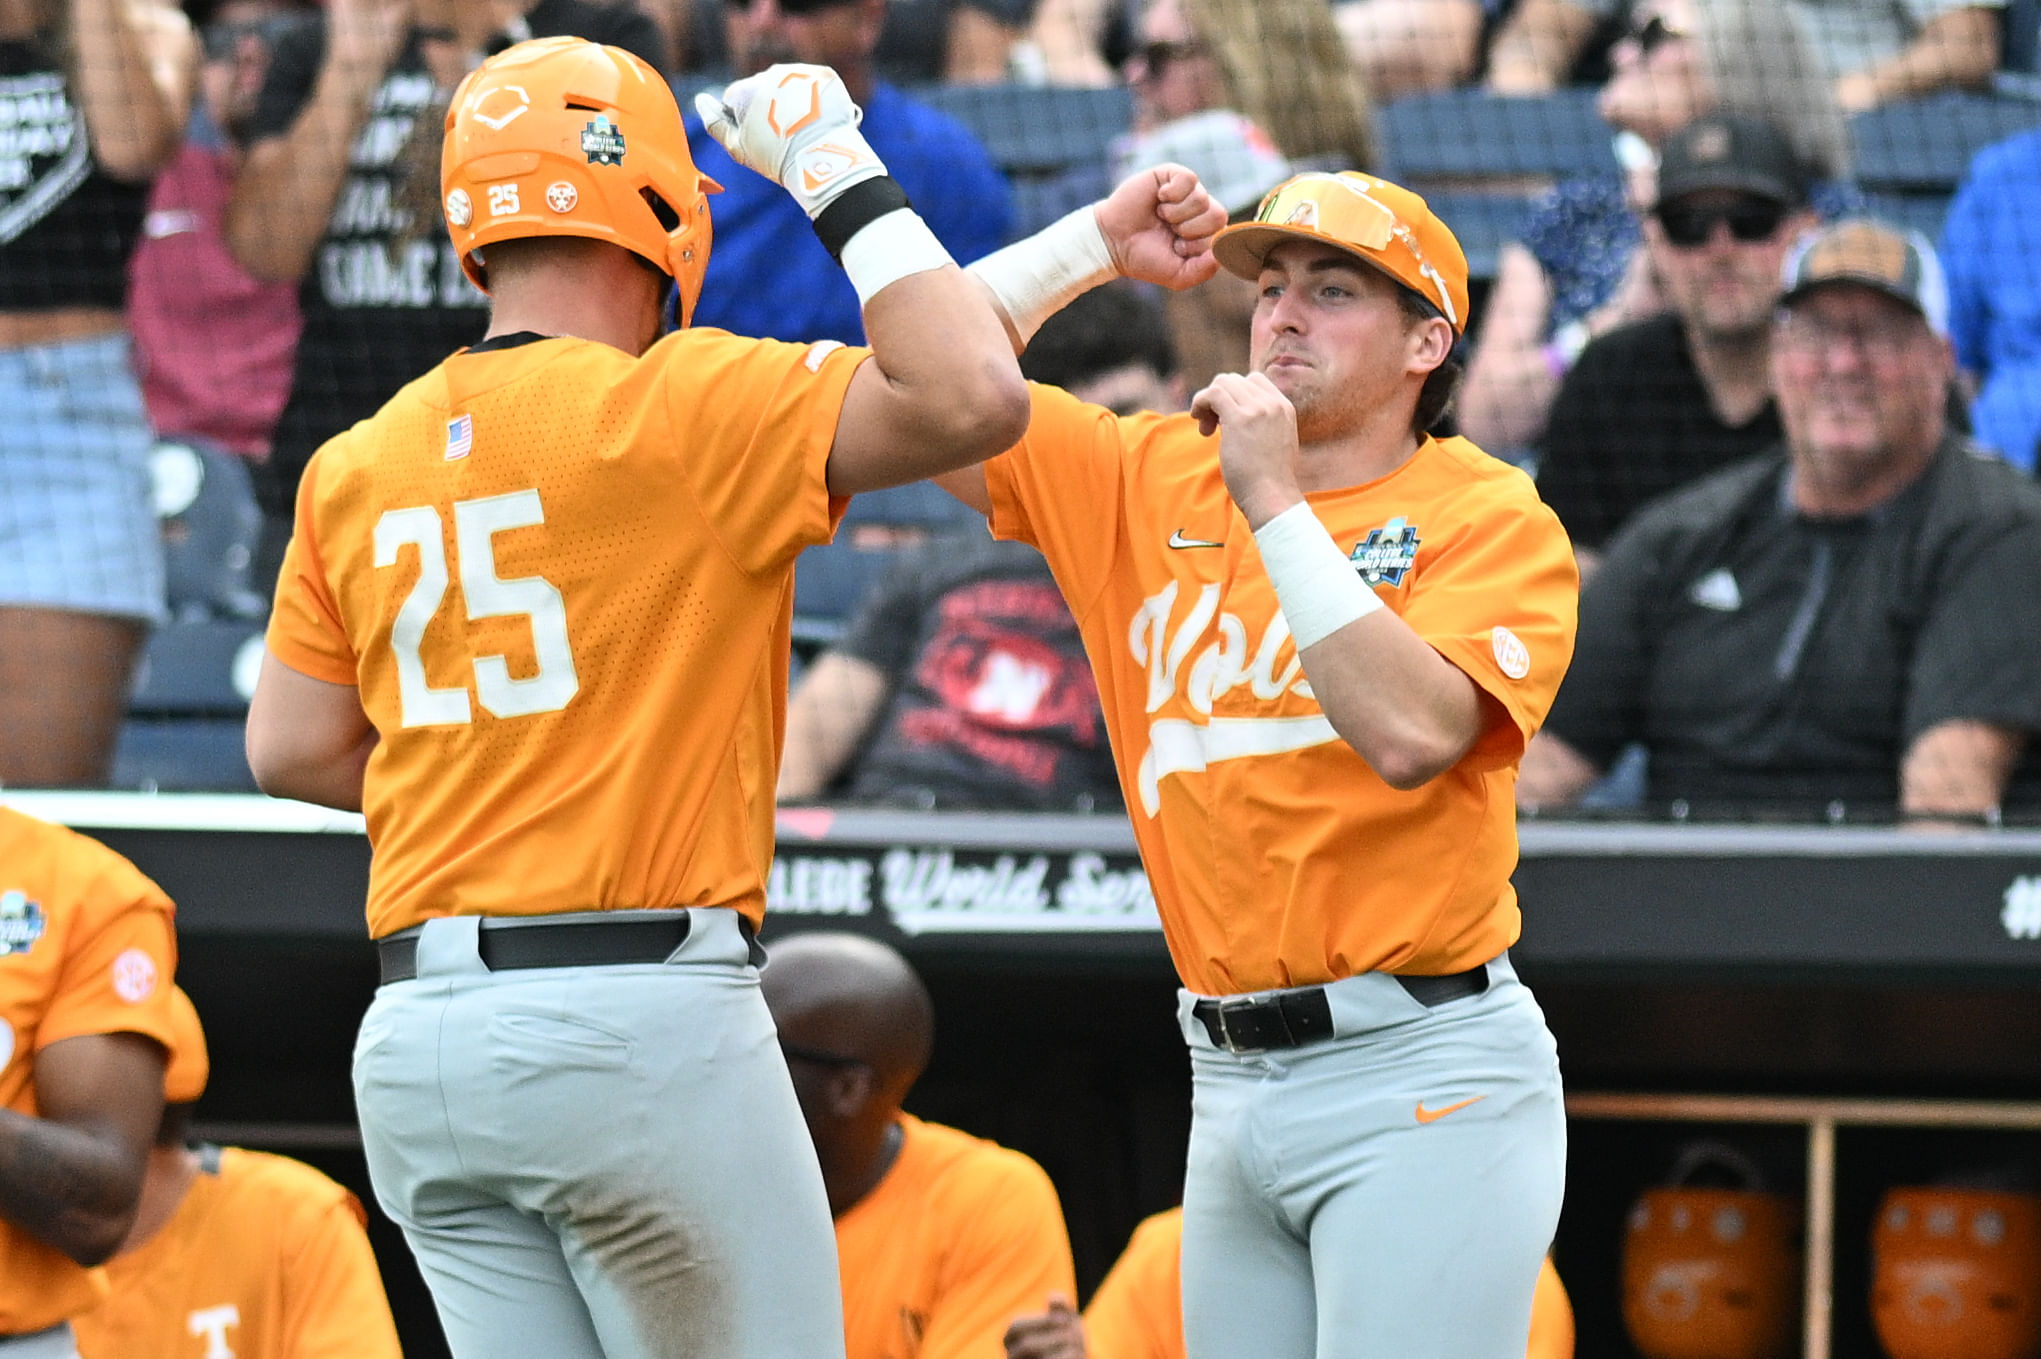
[534, 623]
[1322, 642]
[236, 1253]
[86, 959]
[1137, 1312]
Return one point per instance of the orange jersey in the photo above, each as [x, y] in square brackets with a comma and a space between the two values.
[1277, 856]
[1137, 1312]
[560, 578]
[266, 1258]
[85, 948]
[959, 1238]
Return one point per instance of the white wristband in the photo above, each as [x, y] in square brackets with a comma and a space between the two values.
[1037, 277]
[1316, 584]
[888, 249]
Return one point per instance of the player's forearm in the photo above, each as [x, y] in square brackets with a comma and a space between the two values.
[1959, 48]
[1958, 768]
[66, 1186]
[1406, 710]
[1536, 46]
[286, 188]
[1553, 774]
[134, 68]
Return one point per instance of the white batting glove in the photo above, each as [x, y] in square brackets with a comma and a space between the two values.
[796, 125]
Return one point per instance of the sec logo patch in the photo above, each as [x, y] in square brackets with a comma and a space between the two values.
[134, 976]
[1510, 653]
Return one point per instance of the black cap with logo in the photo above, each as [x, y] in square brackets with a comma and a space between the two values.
[1723, 152]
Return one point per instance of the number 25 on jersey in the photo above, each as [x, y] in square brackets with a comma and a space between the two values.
[476, 524]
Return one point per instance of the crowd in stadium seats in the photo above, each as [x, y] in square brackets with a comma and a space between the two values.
[219, 245]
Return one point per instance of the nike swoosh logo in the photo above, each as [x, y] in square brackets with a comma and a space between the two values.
[1425, 1115]
[1177, 540]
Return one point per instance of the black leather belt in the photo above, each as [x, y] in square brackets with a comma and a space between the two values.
[506, 945]
[1290, 1019]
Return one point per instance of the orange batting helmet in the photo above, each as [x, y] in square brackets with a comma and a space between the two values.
[565, 137]
[1712, 1273]
[1953, 1274]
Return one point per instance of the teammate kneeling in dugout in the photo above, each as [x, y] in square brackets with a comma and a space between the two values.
[86, 960]
[570, 1094]
[942, 1238]
[235, 1253]
[1322, 640]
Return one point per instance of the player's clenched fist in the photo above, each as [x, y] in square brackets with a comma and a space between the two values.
[796, 125]
[1158, 224]
[1257, 428]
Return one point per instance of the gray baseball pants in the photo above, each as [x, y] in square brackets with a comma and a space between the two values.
[599, 1162]
[1387, 1193]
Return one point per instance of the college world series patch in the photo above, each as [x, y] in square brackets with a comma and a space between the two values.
[1385, 556]
[602, 141]
[21, 922]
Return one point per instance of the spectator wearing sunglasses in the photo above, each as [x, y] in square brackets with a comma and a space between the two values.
[1575, 270]
[1840, 630]
[942, 1238]
[1659, 402]
[769, 275]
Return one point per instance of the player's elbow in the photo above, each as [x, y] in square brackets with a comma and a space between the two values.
[987, 416]
[1409, 756]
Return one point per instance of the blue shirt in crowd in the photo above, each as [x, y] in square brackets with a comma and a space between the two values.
[769, 275]
[1991, 251]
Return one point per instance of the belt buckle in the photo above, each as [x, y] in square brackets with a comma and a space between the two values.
[1232, 1005]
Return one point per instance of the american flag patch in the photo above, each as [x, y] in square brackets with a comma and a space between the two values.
[460, 436]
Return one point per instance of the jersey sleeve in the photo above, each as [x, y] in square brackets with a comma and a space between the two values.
[305, 631]
[1137, 1312]
[334, 1304]
[1063, 487]
[755, 420]
[1500, 601]
[1974, 658]
[121, 956]
[1011, 1252]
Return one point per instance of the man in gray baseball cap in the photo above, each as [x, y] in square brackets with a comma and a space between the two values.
[1842, 630]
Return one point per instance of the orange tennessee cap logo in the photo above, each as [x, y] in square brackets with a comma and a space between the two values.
[1425, 1115]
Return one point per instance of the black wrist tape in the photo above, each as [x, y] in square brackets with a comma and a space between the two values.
[860, 206]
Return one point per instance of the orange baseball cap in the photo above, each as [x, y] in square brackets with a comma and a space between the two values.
[1387, 225]
[184, 1079]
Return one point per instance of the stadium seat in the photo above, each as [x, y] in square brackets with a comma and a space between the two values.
[1921, 211]
[1482, 223]
[1925, 145]
[188, 708]
[1037, 129]
[829, 583]
[205, 503]
[1472, 135]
